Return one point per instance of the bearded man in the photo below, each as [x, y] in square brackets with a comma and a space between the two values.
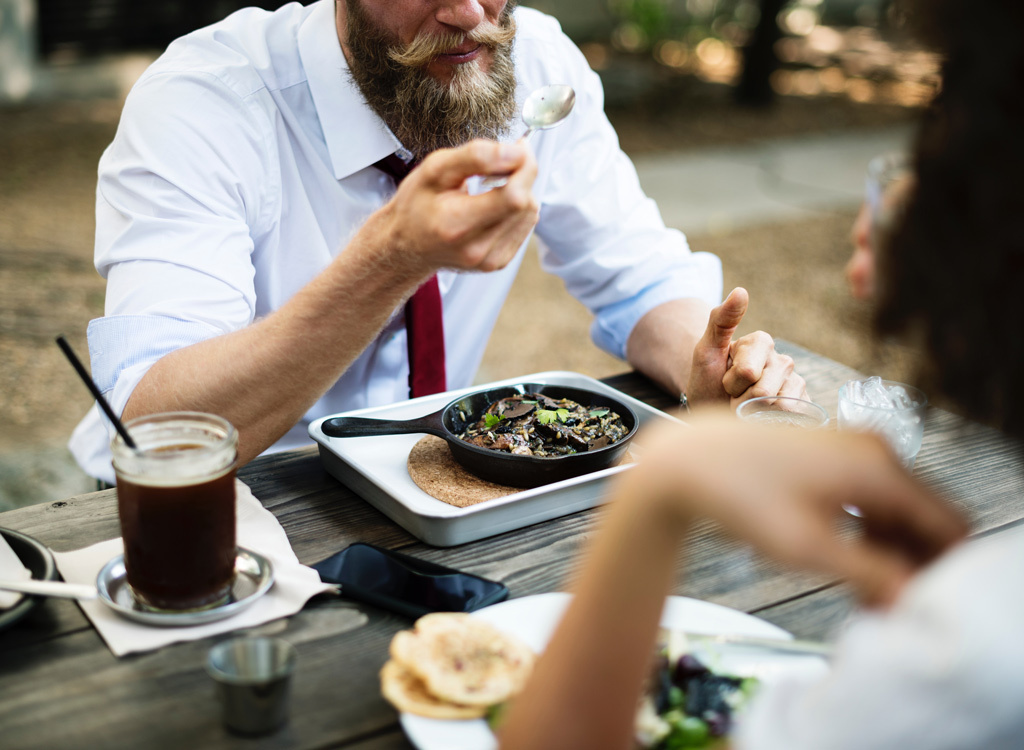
[266, 260]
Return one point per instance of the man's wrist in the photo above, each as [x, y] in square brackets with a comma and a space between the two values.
[380, 245]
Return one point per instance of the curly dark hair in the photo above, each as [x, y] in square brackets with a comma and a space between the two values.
[953, 267]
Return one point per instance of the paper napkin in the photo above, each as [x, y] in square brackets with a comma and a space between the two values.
[11, 569]
[258, 530]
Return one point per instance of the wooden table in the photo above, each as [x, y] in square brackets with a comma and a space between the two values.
[60, 687]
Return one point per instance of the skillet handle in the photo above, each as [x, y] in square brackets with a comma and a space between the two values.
[346, 427]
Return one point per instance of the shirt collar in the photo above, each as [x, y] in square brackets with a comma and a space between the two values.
[356, 137]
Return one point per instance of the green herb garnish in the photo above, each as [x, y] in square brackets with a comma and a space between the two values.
[547, 416]
[599, 412]
[492, 419]
[496, 715]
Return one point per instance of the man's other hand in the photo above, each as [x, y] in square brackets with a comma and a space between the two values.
[737, 370]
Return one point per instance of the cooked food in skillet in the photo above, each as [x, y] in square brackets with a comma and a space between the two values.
[533, 424]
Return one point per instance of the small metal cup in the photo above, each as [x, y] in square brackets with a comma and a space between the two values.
[253, 677]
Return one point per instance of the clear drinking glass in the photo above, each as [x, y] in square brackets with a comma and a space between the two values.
[176, 502]
[894, 410]
[785, 410]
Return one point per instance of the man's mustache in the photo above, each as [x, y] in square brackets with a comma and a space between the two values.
[424, 48]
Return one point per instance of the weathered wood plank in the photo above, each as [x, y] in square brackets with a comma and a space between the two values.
[818, 616]
[49, 619]
[394, 739]
[73, 687]
[546, 557]
[69, 524]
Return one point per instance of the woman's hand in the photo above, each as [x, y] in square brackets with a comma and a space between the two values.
[785, 490]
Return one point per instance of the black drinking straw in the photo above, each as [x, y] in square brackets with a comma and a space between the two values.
[91, 385]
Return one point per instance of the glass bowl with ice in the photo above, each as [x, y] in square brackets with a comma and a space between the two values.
[894, 410]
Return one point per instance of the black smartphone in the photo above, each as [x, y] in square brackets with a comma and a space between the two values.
[406, 584]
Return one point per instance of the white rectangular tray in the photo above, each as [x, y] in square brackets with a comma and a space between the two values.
[375, 469]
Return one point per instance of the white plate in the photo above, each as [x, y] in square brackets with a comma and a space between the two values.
[534, 618]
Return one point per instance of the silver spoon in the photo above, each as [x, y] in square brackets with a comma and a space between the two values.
[51, 588]
[544, 108]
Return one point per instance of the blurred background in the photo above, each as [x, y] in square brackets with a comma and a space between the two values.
[750, 121]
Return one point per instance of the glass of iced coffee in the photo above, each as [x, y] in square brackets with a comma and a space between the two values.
[176, 501]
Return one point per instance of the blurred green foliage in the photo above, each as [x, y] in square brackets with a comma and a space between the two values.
[644, 23]
[650, 17]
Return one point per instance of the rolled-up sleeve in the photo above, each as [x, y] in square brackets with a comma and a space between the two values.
[122, 348]
[179, 201]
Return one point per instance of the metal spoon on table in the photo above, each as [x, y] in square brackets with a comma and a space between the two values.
[544, 108]
[50, 588]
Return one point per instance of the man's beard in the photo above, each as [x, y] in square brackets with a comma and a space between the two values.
[423, 113]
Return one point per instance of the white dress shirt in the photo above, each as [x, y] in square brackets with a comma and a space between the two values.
[943, 670]
[243, 163]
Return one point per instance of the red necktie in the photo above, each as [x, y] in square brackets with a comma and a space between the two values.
[424, 321]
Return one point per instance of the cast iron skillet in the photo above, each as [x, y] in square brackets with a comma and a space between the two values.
[498, 466]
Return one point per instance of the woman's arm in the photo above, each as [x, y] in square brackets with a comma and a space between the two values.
[584, 691]
[782, 490]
